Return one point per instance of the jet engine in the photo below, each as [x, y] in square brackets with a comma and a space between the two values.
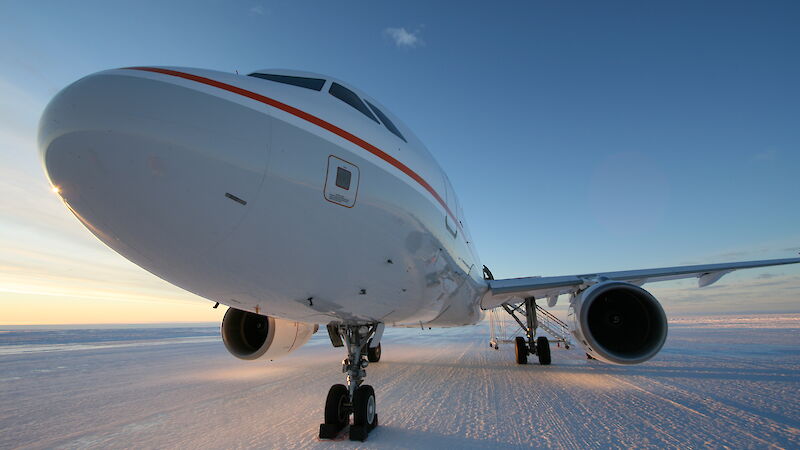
[251, 336]
[618, 323]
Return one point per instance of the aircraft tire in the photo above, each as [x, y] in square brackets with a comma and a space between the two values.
[374, 354]
[521, 350]
[543, 350]
[336, 411]
[365, 417]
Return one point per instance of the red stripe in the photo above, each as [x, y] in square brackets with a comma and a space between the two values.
[312, 119]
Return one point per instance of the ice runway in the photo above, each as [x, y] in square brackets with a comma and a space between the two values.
[732, 381]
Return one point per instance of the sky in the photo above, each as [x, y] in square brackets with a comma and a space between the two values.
[580, 136]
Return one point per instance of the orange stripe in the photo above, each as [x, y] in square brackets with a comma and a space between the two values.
[312, 119]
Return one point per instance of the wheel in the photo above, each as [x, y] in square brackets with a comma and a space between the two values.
[364, 406]
[364, 416]
[336, 410]
[521, 350]
[543, 350]
[374, 354]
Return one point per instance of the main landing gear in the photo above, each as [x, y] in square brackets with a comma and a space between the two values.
[363, 346]
[531, 318]
[533, 345]
[541, 349]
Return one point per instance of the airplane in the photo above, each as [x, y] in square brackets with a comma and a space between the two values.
[297, 200]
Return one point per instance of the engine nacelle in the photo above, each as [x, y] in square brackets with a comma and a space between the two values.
[251, 336]
[618, 323]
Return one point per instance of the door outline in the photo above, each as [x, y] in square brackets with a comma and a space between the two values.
[332, 190]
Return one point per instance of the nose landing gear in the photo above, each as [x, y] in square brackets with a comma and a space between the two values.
[356, 398]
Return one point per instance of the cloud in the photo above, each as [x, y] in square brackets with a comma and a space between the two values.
[767, 155]
[404, 38]
[740, 292]
[258, 10]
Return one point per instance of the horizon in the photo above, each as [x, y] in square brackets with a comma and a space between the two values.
[177, 324]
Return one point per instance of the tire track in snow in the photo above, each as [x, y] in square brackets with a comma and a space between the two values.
[444, 390]
[734, 415]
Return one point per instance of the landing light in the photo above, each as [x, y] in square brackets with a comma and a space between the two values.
[56, 189]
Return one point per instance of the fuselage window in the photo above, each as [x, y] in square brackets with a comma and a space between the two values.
[350, 97]
[343, 177]
[386, 121]
[308, 83]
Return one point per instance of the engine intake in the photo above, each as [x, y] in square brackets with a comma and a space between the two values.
[252, 336]
[619, 323]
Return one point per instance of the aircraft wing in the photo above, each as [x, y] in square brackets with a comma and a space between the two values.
[514, 290]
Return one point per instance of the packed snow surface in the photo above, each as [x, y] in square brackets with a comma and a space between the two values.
[720, 381]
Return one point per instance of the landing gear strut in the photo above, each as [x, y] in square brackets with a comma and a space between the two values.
[355, 398]
[530, 344]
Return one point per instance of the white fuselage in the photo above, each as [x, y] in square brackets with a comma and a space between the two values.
[226, 185]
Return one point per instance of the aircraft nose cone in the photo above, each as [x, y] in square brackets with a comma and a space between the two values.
[146, 163]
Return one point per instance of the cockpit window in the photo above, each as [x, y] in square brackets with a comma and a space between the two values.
[350, 97]
[386, 121]
[308, 83]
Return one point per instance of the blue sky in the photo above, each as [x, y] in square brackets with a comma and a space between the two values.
[580, 136]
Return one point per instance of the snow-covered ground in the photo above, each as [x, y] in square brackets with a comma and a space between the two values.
[720, 381]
